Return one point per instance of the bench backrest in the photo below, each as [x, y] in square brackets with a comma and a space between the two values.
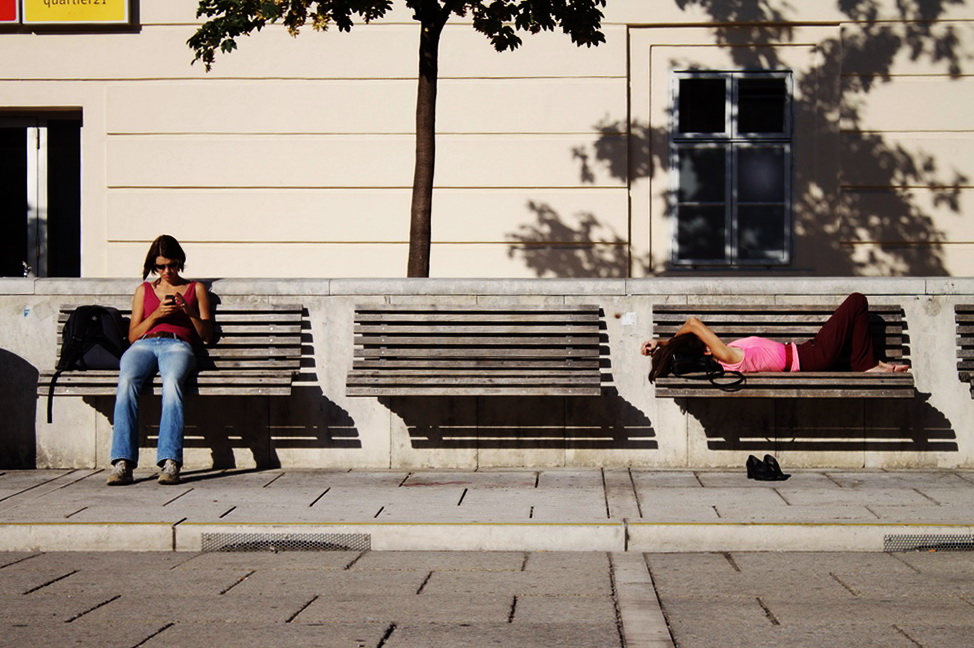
[476, 350]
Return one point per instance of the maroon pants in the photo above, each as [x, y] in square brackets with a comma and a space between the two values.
[842, 341]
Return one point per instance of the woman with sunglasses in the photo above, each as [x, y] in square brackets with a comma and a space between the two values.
[170, 315]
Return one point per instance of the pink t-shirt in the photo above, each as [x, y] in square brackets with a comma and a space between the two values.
[761, 354]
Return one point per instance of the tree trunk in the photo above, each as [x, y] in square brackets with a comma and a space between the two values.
[432, 19]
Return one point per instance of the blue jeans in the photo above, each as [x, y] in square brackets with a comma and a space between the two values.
[175, 361]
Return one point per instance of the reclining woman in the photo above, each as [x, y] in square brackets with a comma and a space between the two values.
[170, 316]
[843, 341]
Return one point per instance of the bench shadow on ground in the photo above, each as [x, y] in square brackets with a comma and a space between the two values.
[524, 422]
[822, 424]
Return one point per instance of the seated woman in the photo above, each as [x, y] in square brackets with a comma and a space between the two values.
[170, 316]
[843, 340]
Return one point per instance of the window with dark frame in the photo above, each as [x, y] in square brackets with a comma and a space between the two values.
[731, 167]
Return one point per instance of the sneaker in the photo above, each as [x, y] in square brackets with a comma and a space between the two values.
[121, 474]
[170, 473]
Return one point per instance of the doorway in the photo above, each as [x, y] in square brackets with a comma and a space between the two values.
[40, 195]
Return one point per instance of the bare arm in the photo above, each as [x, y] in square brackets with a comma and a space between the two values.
[719, 350]
[201, 317]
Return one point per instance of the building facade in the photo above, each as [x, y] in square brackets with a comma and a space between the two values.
[728, 138]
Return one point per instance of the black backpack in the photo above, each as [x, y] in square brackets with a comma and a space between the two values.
[94, 337]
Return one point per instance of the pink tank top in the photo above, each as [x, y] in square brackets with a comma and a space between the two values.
[761, 354]
[179, 322]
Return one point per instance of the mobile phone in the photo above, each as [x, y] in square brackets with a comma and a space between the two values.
[170, 299]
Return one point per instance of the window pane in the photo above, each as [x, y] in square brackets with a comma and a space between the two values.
[702, 105]
[761, 105]
[702, 173]
[701, 233]
[761, 174]
[761, 232]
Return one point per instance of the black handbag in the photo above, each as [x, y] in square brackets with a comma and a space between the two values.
[704, 367]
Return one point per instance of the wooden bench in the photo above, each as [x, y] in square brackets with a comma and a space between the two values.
[476, 351]
[257, 353]
[964, 318]
[789, 323]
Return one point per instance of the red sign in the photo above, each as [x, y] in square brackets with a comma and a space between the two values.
[8, 11]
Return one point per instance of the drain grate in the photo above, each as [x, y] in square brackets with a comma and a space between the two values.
[928, 542]
[277, 542]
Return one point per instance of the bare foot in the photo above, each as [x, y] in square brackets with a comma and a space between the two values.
[885, 367]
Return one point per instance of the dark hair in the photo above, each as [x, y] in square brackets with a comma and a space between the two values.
[164, 246]
[688, 344]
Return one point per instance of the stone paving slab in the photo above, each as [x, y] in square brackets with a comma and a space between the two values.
[553, 632]
[414, 609]
[106, 635]
[527, 584]
[445, 561]
[253, 635]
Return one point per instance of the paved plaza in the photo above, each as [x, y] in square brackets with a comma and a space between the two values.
[473, 599]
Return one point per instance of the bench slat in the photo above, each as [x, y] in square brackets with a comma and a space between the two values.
[769, 308]
[479, 390]
[460, 352]
[471, 329]
[465, 340]
[478, 364]
[474, 373]
[473, 318]
[796, 385]
[400, 380]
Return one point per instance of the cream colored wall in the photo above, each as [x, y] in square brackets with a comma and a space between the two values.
[293, 157]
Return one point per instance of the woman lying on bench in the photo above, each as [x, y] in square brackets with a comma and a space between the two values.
[844, 340]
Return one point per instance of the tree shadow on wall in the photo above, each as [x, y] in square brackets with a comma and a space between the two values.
[501, 422]
[822, 425]
[576, 247]
[878, 221]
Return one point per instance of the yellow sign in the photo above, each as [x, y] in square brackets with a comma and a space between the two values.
[76, 11]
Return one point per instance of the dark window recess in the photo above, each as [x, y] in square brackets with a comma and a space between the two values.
[64, 198]
[761, 105]
[13, 201]
[38, 228]
[702, 107]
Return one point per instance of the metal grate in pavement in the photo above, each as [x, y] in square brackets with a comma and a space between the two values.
[927, 542]
[278, 542]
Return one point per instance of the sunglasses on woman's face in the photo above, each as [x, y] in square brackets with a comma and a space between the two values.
[159, 267]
